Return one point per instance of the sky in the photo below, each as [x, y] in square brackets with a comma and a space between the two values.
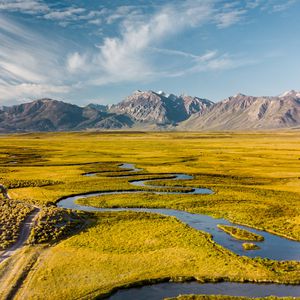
[84, 51]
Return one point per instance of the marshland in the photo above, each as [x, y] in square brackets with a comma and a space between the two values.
[254, 183]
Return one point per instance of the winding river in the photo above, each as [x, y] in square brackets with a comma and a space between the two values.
[273, 247]
[171, 289]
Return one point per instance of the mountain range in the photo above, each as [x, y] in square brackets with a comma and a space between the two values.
[149, 110]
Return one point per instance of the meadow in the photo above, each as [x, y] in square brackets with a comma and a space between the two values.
[254, 176]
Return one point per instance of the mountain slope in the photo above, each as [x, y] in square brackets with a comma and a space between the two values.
[156, 111]
[160, 108]
[52, 115]
[242, 112]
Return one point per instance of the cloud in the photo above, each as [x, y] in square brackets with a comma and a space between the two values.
[24, 6]
[121, 12]
[137, 49]
[71, 13]
[195, 58]
[174, 52]
[126, 57]
[225, 19]
[95, 21]
[212, 61]
[29, 63]
[64, 16]
[226, 12]
[283, 6]
[31, 91]
[76, 62]
[76, 15]
[272, 6]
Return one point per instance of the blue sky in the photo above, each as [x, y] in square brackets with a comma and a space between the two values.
[101, 51]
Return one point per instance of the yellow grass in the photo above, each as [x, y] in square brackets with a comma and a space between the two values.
[255, 179]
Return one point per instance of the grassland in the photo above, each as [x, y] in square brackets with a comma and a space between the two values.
[241, 234]
[127, 247]
[12, 214]
[255, 179]
[54, 224]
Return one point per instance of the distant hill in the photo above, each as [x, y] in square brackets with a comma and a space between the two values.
[148, 110]
[242, 112]
[52, 115]
[99, 107]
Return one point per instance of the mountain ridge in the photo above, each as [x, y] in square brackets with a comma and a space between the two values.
[53, 115]
[242, 112]
[149, 110]
[160, 108]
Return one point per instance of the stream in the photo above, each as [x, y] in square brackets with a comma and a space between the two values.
[273, 247]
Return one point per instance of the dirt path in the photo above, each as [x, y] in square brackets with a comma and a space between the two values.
[26, 227]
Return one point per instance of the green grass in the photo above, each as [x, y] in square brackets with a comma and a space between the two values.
[127, 247]
[254, 176]
[12, 214]
[54, 223]
[250, 246]
[241, 234]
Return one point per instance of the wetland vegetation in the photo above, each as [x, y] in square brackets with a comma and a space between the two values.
[250, 246]
[12, 214]
[54, 224]
[255, 179]
[241, 234]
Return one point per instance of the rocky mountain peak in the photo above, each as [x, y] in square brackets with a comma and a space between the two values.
[239, 95]
[162, 93]
[241, 112]
[53, 115]
[160, 107]
[149, 110]
[290, 93]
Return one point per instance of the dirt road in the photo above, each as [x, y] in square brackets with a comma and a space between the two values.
[26, 227]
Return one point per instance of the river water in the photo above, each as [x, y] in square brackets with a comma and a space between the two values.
[273, 247]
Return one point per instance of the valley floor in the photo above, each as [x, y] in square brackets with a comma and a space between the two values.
[254, 176]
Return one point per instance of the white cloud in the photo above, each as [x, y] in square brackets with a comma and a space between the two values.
[251, 4]
[126, 57]
[225, 19]
[210, 61]
[76, 62]
[123, 58]
[64, 16]
[25, 6]
[272, 6]
[121, 13]
[31, 91]
[174, 52]
[138, 51]
[207, 56]
[29, 63]
[283, 6]
[19, 72]
[71, 13]
[95, 21]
